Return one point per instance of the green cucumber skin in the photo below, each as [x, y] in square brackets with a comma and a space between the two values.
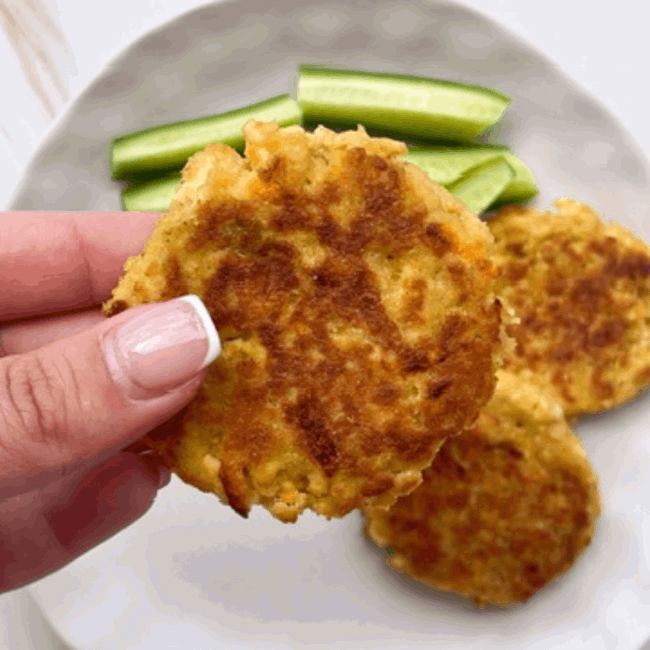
[483, 184]
[154, 196]
[403, 105]
[168, 147]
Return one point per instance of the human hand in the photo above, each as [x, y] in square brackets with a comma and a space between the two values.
[77, 388]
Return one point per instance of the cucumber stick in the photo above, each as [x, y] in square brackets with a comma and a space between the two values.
[446, 165]
[154, 196]
[481, 186]
[405, 106]
[169, 146]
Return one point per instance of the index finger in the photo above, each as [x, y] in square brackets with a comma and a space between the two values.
[56, 261]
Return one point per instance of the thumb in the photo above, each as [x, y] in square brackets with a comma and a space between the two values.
[82, 399]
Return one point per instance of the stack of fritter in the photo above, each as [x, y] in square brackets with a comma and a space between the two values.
[509, 505]
[355, 299]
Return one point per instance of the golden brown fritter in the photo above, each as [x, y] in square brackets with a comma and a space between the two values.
[581, 288]
[505, 508]
[355, 301]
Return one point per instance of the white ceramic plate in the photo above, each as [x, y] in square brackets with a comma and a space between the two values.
[191, 573]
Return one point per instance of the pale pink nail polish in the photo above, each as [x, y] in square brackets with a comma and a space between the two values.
[161, 348]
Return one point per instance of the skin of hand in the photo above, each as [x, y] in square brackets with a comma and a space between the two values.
[77, 389]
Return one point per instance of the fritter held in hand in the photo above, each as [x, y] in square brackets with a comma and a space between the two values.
[505, 508]
[581, 288]
[355, 301]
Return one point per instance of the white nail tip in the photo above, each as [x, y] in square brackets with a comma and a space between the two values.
[214, 342]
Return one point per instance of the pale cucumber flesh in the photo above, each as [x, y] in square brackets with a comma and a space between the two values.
[481, 186]
[523, 186]
[445, 165]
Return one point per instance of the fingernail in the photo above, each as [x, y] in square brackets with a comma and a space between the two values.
[161, 347]
[164, 477]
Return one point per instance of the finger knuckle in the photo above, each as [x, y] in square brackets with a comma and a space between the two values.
[35, 401]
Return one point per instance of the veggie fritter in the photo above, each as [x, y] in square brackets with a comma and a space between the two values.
[581, 288]
[505, 508]
[354, 298]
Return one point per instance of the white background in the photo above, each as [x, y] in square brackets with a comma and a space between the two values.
[603, 46]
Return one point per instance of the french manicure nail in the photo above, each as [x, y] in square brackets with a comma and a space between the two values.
[162, 347]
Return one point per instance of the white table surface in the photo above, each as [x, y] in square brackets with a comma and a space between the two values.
[603, 46]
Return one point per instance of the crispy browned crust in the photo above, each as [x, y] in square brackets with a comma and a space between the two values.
[581, 288]
[505, 508]
[355, 300]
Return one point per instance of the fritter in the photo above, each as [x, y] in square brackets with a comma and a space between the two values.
[354, 299]
[504, 509]
[581, 287]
